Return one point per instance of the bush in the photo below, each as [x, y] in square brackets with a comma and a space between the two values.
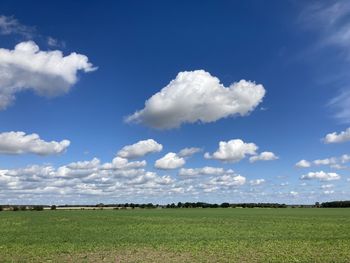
[53, 207]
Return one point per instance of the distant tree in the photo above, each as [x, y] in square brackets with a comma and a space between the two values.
[38, 208]
[1, 208]
[23, 208]
[225, 205]
[53, 207]
[317, 204]
[15, 208]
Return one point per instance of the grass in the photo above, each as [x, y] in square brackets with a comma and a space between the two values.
[176, 235]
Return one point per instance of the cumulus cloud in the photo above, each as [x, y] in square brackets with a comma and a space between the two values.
[186, 152]
[197, 96]
[207, 170]
[21, 143]
[327, 161]
[322, 176]
[341, 137]
[264, 156]
[47, 73]
[232, 151]
[303, 164]
[170, 161]
[257, 182]
[140, 149]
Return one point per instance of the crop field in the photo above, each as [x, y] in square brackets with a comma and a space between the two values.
[176, 235]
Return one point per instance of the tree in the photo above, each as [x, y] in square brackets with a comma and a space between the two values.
[53, 207]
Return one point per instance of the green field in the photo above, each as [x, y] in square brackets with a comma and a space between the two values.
[176, 235]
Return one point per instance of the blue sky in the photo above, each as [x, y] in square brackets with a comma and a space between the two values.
[259, 77]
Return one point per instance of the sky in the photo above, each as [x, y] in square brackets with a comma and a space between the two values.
[168, 101]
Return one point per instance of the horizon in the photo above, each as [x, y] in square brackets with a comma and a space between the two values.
[166, 102]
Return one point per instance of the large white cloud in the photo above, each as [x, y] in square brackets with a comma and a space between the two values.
[140, 149]
[264, 156]
[197, 96]
[232, 151]
[47, 73]
[21, 143]
[334, 137]
[170, 161]
[322, 176]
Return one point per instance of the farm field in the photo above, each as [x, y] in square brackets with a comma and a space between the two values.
[176, 235]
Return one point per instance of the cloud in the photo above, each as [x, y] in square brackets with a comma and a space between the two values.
[303, 164]
[327, 161]
[322, 176]
[140, 149]
[47, 73]
[197, 96]
[341, 137]
[9, 25]
[327, 186]
[257, 182]
[207, 170]
[264, 156]
[232, 151]
[330, 20]
[21, 143]
[186, 152]
[170, 161]
[227, 180]
[122, 163]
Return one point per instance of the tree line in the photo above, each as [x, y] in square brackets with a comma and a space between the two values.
[332, 204]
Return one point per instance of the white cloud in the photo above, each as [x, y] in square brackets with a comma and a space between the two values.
[232, 151]
[264, 156]
[257, 182]
[326, 186]
[21, 143]
[186, 152]
[47, 73]
[123, 163]
[170, 161]
[207, 170]
[197, 96]
[293, 193]
[322, 176]
[327, 161]
[341, 137]
[303, 164]
[345, 158]
[140, 149]
[228, 180]
[9, 25]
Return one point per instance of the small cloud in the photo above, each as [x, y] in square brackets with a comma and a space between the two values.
[303, 164]
[170, 161]
[322, 176]
[9, 25]
[264, 156]
[140, 149]
[186, 152]
[232, 151]
[341, 137]
[257, 182]
[22, 143]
